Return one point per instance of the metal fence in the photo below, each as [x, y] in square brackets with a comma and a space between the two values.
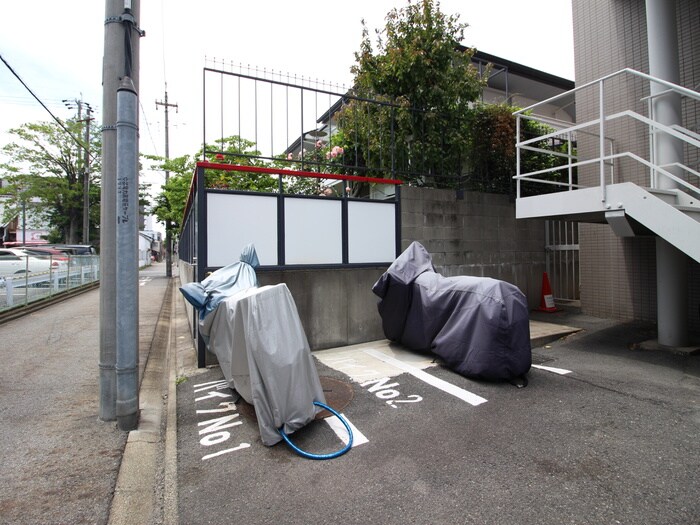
[64, 273]
[268, 119]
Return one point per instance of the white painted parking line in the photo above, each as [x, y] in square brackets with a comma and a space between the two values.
[449, 388]
[226, 451]
[560, 371]
[358, 438]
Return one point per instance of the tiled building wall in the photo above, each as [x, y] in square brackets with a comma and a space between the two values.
[618, 276]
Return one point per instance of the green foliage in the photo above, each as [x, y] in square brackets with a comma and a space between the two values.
[169, 205]
[425, 83]
[323, 157]
[239, 151]
[45, 171]
[491, 150]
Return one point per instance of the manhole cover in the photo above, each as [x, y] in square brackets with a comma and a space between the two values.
[338, 395]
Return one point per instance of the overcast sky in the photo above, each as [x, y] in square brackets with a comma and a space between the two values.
[56, 47]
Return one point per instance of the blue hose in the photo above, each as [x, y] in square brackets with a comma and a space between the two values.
[308, 455]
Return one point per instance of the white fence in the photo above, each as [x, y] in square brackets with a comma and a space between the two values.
[312, 230]
[25, 287]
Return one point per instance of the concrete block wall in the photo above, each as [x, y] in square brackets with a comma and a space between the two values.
[336, 306]
[476, 235]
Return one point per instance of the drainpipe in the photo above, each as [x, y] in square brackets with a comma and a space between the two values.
[671, 263]
[127, 257]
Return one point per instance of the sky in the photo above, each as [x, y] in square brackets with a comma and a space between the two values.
[57, 49]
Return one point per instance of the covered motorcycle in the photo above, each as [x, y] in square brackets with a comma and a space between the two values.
[478, 326]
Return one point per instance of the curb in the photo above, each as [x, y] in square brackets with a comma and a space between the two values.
[141, 492]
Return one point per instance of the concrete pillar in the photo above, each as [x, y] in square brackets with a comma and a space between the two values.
[671, 264]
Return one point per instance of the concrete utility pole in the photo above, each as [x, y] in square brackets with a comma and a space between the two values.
[86, 179]
[121, 59]
[86, 162]
[168, 238]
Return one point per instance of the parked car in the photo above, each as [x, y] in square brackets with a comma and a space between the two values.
[44, 251]
[75, 249]
[15, 260]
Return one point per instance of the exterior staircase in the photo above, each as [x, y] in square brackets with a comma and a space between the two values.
[668, 207]
[629, 209]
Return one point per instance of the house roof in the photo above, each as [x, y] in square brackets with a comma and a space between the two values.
[512, 79]
[524, 71]
[506, 76]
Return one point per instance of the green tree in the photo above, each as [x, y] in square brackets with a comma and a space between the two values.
[45, 166]
[490, 150]
[425, 83]
[170, 204]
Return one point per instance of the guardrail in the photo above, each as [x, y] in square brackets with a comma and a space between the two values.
[21, 289]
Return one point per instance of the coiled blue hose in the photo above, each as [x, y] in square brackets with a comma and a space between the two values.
[308, 455]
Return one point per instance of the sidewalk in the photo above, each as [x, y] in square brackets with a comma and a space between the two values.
[59, 462]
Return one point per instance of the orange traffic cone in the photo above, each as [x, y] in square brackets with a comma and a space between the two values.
[547, 301]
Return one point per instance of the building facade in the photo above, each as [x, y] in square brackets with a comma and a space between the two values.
[634, 172]
[619, 274]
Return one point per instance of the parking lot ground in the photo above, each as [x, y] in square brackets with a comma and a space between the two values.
[603, 433]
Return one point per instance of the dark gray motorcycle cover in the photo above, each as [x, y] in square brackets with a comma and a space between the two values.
[478, 326]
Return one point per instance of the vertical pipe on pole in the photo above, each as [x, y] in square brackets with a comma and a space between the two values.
[517, 155]
[601, 139]
[113, 69]
[127, 363]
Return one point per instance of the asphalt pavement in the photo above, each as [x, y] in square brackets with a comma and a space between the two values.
[605, 432]
[58, 462]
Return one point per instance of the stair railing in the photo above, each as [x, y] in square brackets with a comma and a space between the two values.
[599, 127]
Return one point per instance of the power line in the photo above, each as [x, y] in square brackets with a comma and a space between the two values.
[58, 121]
[148, 126]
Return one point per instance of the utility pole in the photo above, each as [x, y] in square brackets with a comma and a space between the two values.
[121, 59]
[86, 179]
[168, 237]
[85, 168]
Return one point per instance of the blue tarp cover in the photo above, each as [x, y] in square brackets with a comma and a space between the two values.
[224, 282]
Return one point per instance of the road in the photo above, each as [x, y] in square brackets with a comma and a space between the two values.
[603, 434]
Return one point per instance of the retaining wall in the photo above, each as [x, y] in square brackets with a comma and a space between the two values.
[476, 234]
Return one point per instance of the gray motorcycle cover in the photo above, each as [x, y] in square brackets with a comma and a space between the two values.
[263, 352]
[478, 326]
